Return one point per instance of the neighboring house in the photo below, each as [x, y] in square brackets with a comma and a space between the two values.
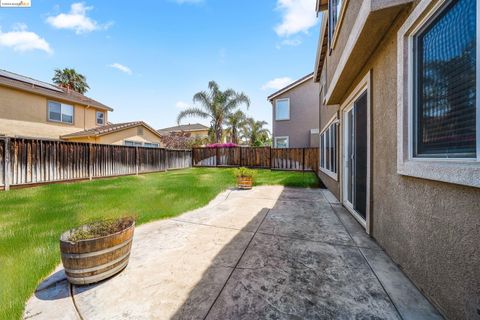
[137, 134]
[400, 135]
[195, 130]
[295, 114]
[32, 108]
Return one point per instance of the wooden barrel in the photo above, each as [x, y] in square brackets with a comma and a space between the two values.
[92, 260]
[244, 182]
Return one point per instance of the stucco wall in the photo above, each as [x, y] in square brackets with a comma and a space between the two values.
[430, 228]
[118, 138]
[303, 115]
[30, 110]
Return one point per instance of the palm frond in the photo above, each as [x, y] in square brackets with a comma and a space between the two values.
[192, 112]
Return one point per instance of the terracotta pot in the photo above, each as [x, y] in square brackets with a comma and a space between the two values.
[92, 260]
[245, 183]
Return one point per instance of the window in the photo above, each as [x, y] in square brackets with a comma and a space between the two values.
[328, 150]
[100, 118]
[444, 84]
[438, 110]
[151, 145]
[334, 14]
[282, 109]
[59, 112]
[132, 143]
[281, 142]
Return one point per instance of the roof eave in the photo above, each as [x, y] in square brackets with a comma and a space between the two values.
[291, 86]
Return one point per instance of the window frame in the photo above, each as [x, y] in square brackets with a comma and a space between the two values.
[151, 145]
[276, 113]
[463, 171]
[333, 140]
[282, 137]
[134, 143]
[61, 113]
[333, 34]
[96, 118]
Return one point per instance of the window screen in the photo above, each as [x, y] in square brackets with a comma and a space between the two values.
[282, 109]
[445, 82]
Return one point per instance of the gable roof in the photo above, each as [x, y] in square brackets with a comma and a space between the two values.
[290, 86]
[108, 129]
[185, 127]
[16, 81]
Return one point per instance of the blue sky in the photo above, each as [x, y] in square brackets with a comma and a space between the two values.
[146, 59]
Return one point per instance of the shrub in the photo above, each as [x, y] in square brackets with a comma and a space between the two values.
[243, 172]
[100, 229]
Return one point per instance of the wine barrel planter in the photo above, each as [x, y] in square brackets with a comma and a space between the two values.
[92, 260]
[245, 183]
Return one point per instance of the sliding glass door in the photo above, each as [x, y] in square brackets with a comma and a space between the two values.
[355, 157]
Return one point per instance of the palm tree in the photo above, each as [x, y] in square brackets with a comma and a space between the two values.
[69, 78]
[215, 105]
[235, 122]
[255, 133]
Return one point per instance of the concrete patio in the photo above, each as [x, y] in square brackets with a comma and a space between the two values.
[267, 253]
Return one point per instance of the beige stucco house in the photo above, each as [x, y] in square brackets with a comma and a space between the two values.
[295, 114]
[194, 129]
[400, 135]
[31, 108]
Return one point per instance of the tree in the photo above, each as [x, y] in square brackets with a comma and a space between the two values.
[235, 122]
[255, 133]
[215, 105]
[69, 78]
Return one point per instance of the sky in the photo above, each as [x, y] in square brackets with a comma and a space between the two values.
[146, 59]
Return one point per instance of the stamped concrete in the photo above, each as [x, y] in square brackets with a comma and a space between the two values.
[266, 253]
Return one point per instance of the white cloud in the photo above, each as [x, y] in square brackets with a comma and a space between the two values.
[20, 39]
[277, 83]
[182, 105]
[76, 20]
[121, 67]
[297, 16]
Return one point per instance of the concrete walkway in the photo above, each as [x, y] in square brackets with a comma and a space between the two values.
[267, 253]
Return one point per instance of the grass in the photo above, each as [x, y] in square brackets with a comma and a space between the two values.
[31, 220]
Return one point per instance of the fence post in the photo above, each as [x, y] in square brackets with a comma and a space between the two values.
[271, 160]
[217, 157]
[166, 159]
[191, 156]
[241, 156]
[303, 165]
[136, 160]
[6, 168]
[90, 161]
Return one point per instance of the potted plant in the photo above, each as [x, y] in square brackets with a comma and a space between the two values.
[96, 251]
[244, 178]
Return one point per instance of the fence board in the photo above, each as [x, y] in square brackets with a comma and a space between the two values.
[298, 159]
[33, 161]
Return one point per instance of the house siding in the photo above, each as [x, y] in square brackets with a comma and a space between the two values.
[430, 228]
[25, 114]
[304, 115]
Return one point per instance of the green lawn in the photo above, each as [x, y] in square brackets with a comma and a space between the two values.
[31, 220]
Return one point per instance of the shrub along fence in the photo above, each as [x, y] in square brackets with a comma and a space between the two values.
[35, 161]
[299, 159]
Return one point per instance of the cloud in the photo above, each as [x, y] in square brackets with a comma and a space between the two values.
[182, 105]
[297, 16]
[21, 40]
[277, 83]
[77, 20]
[121, 67]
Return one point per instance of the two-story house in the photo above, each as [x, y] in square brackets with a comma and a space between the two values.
[400, 135]
[295, 114]
[31, 108]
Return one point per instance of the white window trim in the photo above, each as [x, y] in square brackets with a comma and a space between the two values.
[96, 118]
[331, 174]
[457, 171]
[60, 121]
[276, 114]
[283, 137]
[133, 142]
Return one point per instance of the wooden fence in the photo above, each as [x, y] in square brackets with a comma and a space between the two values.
[300, 159]
[34, 161]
